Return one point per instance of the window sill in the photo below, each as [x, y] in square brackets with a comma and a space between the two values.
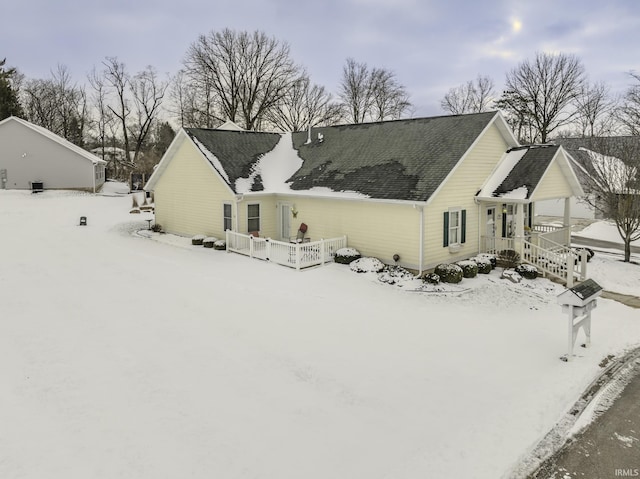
[454, 248]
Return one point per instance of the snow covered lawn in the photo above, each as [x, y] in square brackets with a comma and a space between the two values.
[121, 356]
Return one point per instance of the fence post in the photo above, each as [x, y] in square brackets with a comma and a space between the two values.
[226, 238]
[571, 260]
[250, 246]
[322, 251]
[583, 265]
[267, 249]
[298, 256]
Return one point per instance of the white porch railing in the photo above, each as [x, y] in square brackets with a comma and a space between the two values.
[557, 234]
[292, 255]
[548, 256]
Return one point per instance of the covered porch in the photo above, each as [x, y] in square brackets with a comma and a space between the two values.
[510, 226]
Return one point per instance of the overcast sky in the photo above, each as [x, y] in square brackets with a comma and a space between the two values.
[431, 45]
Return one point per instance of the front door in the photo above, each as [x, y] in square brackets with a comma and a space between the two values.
[284, 220]
[490, 229]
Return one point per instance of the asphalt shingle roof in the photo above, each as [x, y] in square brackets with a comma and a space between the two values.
[402, 159]
[237, 151]
[529, 170]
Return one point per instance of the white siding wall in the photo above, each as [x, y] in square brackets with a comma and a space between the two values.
[29, 156]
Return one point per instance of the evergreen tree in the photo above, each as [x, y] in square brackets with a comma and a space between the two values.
[9, 103]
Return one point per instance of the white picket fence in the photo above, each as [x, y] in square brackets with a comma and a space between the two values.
[292, 255]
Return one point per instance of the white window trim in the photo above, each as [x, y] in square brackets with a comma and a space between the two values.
[226, 203]
[259, 217]
[457, 245]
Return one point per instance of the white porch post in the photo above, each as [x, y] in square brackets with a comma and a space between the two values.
[519, 229]
[567, 220]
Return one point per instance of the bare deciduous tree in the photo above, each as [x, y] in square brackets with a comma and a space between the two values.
[244, 74]
[135, 102]
[371, 95]
[594, 107]
[612, 184]
[541, 92]
[471, 97]
[57, 104]
[305, 106]
[148, 92]
[629, 113]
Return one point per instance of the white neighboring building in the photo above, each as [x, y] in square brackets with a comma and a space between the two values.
[32, 156]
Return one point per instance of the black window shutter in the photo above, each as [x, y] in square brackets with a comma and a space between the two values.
[463, 226]
[445, 233]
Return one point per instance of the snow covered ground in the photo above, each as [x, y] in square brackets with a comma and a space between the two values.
[136, 355]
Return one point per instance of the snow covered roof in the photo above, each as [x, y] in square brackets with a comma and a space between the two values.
[399, 160]
[519, 173]
[58, 139]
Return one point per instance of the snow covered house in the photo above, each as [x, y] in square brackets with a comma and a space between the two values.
[34, 158]
[416, 192]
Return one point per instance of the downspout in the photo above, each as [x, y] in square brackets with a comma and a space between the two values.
[94, 177]
[421, 245]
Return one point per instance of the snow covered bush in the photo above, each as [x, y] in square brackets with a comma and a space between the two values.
[346, 255]
[220, 245]
[449, 273]
[431, 278]
[527, 271]
[482, 257]
[366, 265]
[469, 268]
[197, 240]
[209, 241]
[156, 228]
[483, 263]
[395, 274]
[589, 251]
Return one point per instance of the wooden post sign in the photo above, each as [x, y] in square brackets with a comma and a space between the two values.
[578, 302]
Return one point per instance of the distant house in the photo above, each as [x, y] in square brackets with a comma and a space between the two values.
[416, 192]
[32, 157]
[585, 154]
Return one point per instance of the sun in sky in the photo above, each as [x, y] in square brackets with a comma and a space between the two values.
[516, 25]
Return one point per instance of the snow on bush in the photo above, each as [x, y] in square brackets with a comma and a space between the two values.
[197, 240]
[366, 265]
[431, 278]
[449, 273]
[346, 255]
[220, 245]
[527, 271]
[483, 263]
[209, 241]
[395, 275]
[469, 268]
[590, 253]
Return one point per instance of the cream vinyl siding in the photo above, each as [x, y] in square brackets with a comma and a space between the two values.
[268, 215]
[189, 195]
[374, 228]
[553, 184]
[458, 192]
